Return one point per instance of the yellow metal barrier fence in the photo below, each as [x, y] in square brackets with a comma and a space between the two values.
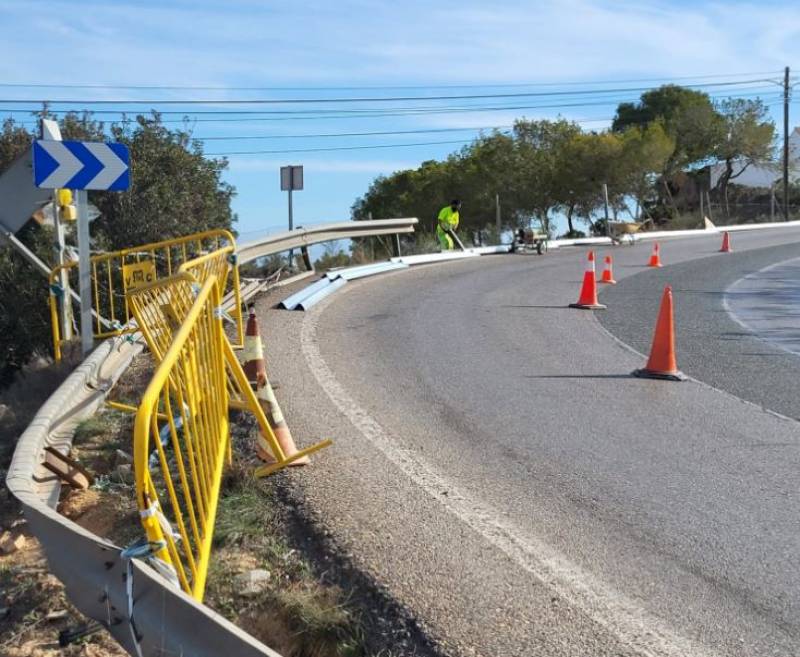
[116, 273]
[160, 309]
[221, 264]
[178, 461]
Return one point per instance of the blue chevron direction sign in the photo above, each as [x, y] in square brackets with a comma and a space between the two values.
[81, 165]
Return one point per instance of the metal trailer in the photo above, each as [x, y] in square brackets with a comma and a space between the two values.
[528, 240]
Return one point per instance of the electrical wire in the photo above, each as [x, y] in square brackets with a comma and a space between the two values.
[60, 85]
[353, 134]
[378, 112]
[350, 100]
[339, 148]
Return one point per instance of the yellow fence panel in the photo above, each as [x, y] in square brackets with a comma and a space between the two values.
[160, 309]
[116, 273]
[179, 459]
[221, 264]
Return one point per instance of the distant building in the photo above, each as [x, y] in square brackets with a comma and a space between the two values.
[762, 175]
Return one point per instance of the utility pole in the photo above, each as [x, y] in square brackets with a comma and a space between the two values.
[497, 215]
[605, 205]
[786, 144]
[702, 211]
[772, 202]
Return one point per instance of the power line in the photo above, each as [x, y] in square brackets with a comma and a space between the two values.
[378, 112]
[349, 100]
[354, 134]
[338, 148]
[24, 85]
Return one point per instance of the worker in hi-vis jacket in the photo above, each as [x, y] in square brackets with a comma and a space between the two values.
[448, 222]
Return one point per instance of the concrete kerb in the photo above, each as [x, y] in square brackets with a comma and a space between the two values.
[143, 611]
[665, 234]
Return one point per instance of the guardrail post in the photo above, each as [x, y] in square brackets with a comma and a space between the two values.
[396, 245]
[306, 258]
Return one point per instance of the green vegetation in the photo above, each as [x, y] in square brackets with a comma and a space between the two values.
[650, 160]
[175, 191]
[295, 612]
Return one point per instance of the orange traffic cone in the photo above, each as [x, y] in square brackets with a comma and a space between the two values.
[662, 364]
[588, 298]
[726, 243]
[655, 257]
[255, 370]
[608, 272]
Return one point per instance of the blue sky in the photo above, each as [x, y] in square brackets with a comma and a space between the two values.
[322, 50]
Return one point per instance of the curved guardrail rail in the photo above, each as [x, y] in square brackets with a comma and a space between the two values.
[302, 238]
[147, 615]
[144, 611]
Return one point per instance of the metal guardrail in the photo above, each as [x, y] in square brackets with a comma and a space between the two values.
[302, 238]
[113, 274]
[143, 611]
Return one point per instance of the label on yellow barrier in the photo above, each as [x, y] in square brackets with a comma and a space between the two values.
[253, 349]
[138, 274]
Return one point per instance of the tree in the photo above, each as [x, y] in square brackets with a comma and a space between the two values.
[688, 118]
[645, 151]
[175, 191]
[586, 162]
[539, 165]
[14, 141]
[746, 139]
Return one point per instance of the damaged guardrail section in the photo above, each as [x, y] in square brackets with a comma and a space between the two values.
[148, 615]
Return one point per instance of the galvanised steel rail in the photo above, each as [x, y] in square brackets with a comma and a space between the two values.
[149, 616]
[302, 238]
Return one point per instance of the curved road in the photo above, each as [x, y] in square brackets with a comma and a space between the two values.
[499, 471]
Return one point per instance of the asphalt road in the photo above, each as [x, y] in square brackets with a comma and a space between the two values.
[497, 469]
[711, 345]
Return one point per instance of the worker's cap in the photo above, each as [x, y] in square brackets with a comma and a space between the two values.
[456, 202]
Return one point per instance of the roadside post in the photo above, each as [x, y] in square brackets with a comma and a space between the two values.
[291, 179]
[51, 130]
[82, 166]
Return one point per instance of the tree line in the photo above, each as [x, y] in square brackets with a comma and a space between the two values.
[545, 168]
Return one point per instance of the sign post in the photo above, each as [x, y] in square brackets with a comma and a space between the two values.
[291, 179]
[84, 271]
[51, 130]
[81, 166]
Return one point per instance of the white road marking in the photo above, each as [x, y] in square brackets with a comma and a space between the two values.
[767, 304]
[632, 625]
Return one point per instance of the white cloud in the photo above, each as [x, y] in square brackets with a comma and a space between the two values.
[356, 41]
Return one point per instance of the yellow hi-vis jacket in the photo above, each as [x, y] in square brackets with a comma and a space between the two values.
[448, 218]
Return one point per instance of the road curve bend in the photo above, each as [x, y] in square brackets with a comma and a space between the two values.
[499, 471]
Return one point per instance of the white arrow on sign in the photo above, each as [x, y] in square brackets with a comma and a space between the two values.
[69, 165]
[113, 167]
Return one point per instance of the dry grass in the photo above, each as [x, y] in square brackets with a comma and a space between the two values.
[300, 613]
[21, 400]
[297, 614]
